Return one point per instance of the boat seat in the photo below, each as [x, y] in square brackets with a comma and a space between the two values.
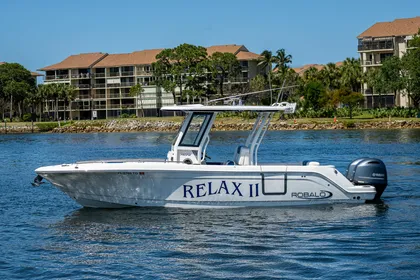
[242, 155]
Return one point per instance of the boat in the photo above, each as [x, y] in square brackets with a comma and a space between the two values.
[187, 178]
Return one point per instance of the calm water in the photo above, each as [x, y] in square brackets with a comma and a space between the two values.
[44, 234]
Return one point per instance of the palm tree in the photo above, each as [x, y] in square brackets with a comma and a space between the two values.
[351, 74]
[267, 61]
[69, 95]
[312, 74]
[330, 76]
[282, 60]
[137, 91]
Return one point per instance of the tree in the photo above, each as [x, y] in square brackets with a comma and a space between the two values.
[137, 92]
[351, 74]
[282, 61]
[374, 79]
[347, 97]
[16, 93]
[266, 61]
[223, 66]
[311, 75]
[69, 95]
[330, 76]
[415, 42]
[174, 65]
[391, 74]
[411, 73]
[315, 95]
[15, 83]
[258, 83]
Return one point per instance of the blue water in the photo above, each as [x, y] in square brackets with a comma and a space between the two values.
[46, 235]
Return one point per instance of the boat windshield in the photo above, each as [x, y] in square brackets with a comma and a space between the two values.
[195, 130]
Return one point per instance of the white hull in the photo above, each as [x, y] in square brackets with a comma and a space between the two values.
[169, 184]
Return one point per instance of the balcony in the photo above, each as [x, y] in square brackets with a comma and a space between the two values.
[375, 45]
[114, 74]
[99, 75]
[129, 73]
[98, 85]
[114, 95]
[56, 77]
[82, 86]
[99, 96]
[99, 106]
[114, 106]
[84, 96]
[81, 76]
[127, 84]
[144, 72]
[128, 106]
[126, 94]
[113, 85]
[371, 63]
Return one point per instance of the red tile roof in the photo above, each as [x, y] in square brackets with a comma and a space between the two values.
[145, 57]
[398, 27]
[242, 55]
[225, 48]
[83, 60]
[128, 59]
[319, 67]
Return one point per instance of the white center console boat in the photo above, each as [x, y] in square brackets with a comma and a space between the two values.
[187, 179]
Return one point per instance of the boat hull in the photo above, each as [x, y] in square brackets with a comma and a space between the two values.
[143, 184]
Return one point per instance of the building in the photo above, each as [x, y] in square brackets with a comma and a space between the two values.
[381, 40]
[103, 81]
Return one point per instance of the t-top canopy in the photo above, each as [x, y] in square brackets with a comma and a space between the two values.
[284, 106]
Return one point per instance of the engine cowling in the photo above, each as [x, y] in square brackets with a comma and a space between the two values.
[368, 171]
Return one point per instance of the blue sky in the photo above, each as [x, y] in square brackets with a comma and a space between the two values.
[39, 33]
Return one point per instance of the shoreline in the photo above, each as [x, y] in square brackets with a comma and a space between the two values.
[135, 125]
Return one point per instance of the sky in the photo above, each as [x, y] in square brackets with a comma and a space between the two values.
[39, 33]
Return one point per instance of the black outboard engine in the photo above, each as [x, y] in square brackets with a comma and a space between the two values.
[368, 171]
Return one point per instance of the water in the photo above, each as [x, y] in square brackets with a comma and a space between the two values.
[45, 235]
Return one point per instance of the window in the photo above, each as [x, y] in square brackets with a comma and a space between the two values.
[195, 130]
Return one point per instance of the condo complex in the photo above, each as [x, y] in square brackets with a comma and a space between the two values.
[103, 81]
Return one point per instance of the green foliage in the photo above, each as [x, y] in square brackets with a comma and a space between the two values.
[390, 73]
[415, 42]
[258, 83]
[125, 116]
[223, 66]
[282, 61]
[396, 112]
[16, 83]
[348, 98]
[47, 126]
[315, 95]
[351, 74]
[27, 117]
[171, 65]
[411, 70]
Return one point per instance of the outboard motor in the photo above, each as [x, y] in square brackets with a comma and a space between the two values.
[368, 171]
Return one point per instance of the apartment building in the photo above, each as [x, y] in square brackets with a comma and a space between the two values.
[381, 40]
[103, 81]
